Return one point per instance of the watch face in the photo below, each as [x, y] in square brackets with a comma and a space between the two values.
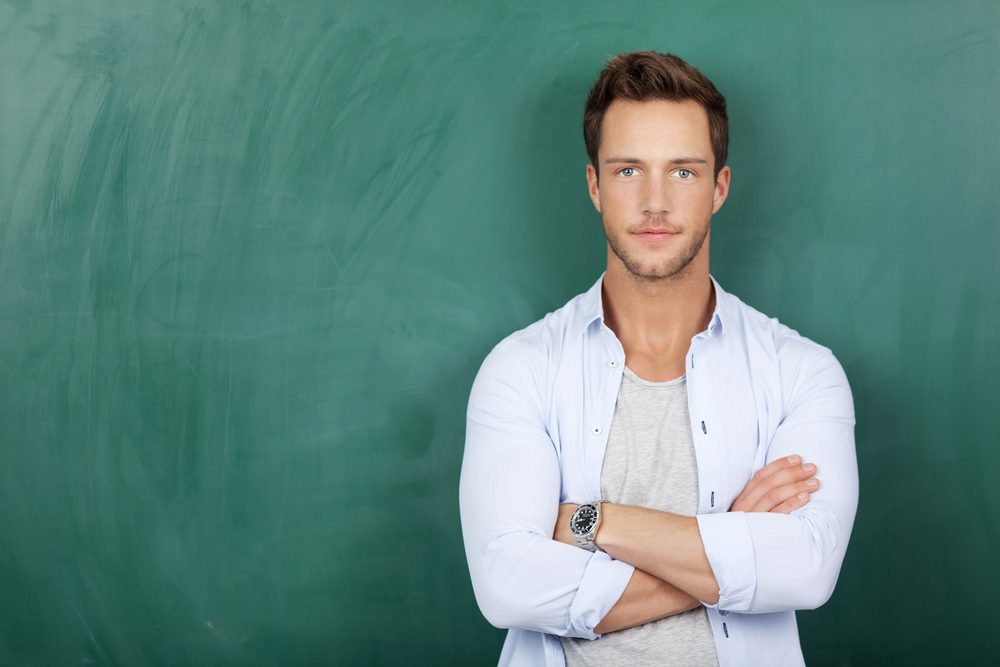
[584, 519]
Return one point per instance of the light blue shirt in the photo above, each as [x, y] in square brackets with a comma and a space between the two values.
[537, 427]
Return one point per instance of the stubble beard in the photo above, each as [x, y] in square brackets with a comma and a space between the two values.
[674, 265]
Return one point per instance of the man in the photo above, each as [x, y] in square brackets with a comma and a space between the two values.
[656, 473]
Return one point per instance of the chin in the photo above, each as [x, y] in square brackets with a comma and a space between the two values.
[661, 270]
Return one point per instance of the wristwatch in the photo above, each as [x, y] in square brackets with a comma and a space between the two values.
[584, 523]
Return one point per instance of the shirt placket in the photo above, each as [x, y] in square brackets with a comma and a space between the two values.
[706, 428]
[707, 431]
[606, 361]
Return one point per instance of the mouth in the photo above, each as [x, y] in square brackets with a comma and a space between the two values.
[656, 234]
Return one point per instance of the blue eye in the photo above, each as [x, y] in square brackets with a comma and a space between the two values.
[630, 171]
[685, 174]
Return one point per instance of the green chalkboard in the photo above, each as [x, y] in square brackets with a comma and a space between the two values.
[252, 254]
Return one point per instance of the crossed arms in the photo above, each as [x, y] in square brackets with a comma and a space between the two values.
[751, 559]
[670, 545]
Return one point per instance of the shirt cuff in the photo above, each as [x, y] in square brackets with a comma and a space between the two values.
[604, 581]
[729, 547]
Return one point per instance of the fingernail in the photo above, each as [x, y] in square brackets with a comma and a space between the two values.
[803, 495]
[811, 482]
[793, 459]
[808, 467]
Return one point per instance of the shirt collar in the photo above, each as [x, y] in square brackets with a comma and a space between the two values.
[592, 306]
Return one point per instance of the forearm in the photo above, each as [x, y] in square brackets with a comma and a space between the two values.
[667, 546]
[646, 599]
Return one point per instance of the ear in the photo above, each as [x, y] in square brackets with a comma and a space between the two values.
[721, 189]
[592, 187]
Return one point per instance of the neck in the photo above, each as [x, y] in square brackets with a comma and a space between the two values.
[657, 317]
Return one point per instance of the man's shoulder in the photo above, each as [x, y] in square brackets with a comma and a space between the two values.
[522, 361]
[549, 333]
[770, 338]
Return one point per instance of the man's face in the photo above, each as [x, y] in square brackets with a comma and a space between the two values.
[657, 190]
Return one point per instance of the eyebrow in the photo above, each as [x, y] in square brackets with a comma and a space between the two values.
[635, 160]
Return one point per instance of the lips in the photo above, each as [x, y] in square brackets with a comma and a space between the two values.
[655, 237]
[656, 233]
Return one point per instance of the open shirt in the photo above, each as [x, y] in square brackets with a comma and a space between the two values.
[538, 418]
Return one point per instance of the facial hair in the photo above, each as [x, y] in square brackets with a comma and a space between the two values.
[674, 265]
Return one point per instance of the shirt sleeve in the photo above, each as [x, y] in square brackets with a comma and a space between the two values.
[766, 562]
[509, 500]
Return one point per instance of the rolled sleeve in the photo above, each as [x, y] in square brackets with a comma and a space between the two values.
[602, 585]
[729, 548]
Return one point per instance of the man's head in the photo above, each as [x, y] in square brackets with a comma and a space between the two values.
[648, 75]
[656, 134]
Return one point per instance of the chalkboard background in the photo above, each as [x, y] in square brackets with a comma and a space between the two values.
[253, 253]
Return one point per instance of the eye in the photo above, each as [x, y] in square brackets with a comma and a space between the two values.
[685, 174]
[627, 172]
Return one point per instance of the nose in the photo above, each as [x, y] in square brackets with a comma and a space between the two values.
[656, 195]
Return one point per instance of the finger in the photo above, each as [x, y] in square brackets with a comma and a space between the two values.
[776, 465]
[781, 476]
[795, 502]
[790, 475]
[761, 474]
[775, 497]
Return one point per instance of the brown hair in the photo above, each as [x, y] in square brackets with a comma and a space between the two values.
[646, 75]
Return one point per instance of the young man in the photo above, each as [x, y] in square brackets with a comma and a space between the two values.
[656, 473]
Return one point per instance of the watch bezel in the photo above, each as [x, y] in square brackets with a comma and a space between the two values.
[595, 514]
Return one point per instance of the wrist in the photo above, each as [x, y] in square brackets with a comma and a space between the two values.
[604, 537]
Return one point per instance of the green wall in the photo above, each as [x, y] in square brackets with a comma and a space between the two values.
[253, 253]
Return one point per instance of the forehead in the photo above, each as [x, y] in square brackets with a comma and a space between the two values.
[656, 128]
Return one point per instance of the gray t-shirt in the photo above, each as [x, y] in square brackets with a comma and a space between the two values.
[650, 462]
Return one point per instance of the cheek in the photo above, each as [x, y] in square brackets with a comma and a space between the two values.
[617, 200]
[699, 200]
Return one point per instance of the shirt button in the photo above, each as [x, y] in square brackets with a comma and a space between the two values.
[597, 430]
[612, 363]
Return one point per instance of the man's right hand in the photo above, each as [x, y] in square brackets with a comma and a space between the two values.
[780, 486]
